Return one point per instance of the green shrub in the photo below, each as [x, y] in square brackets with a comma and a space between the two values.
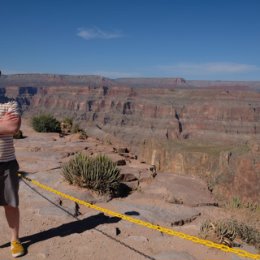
[99, 173]
[45, 123]
[227, 231]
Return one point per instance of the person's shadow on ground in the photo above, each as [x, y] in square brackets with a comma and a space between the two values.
[67, 229]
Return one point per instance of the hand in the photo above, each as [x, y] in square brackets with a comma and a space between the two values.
[9, 116]
[9, 123]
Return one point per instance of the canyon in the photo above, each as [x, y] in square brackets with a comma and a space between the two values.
[207, 129]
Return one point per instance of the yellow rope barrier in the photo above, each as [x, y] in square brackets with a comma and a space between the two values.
[165, 230]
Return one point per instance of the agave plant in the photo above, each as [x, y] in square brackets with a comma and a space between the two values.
[99, 173]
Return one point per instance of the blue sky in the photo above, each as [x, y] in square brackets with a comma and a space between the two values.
[194, 39]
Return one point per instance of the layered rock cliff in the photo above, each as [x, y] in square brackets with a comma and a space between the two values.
[180, 128]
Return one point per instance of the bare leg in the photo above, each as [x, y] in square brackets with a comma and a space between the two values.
[13, 217]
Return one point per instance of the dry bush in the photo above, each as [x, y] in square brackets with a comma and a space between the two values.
[237, 203]
[18, 135]
[230, 232]
[66, 125]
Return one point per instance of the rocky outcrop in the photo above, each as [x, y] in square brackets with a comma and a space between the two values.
[239, 173]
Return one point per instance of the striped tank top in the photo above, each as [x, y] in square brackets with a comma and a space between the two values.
[7, 152]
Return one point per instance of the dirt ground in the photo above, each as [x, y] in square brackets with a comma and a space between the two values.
[51, 230]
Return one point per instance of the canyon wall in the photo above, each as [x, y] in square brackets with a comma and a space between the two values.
[212, 132]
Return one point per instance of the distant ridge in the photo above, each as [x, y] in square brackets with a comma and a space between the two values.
[44, 80]
[225, 83]
[152, 82]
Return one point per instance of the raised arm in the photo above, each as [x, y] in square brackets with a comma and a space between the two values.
[9, 123]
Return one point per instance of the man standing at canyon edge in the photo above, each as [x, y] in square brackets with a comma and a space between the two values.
[10, 121]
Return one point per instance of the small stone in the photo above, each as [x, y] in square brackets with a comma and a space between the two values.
[118, 231]
[121, 162]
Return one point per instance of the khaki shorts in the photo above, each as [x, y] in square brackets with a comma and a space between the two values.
[9, 183]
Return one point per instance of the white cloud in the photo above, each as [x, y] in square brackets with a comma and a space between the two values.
[96, 33]
[209, 68]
